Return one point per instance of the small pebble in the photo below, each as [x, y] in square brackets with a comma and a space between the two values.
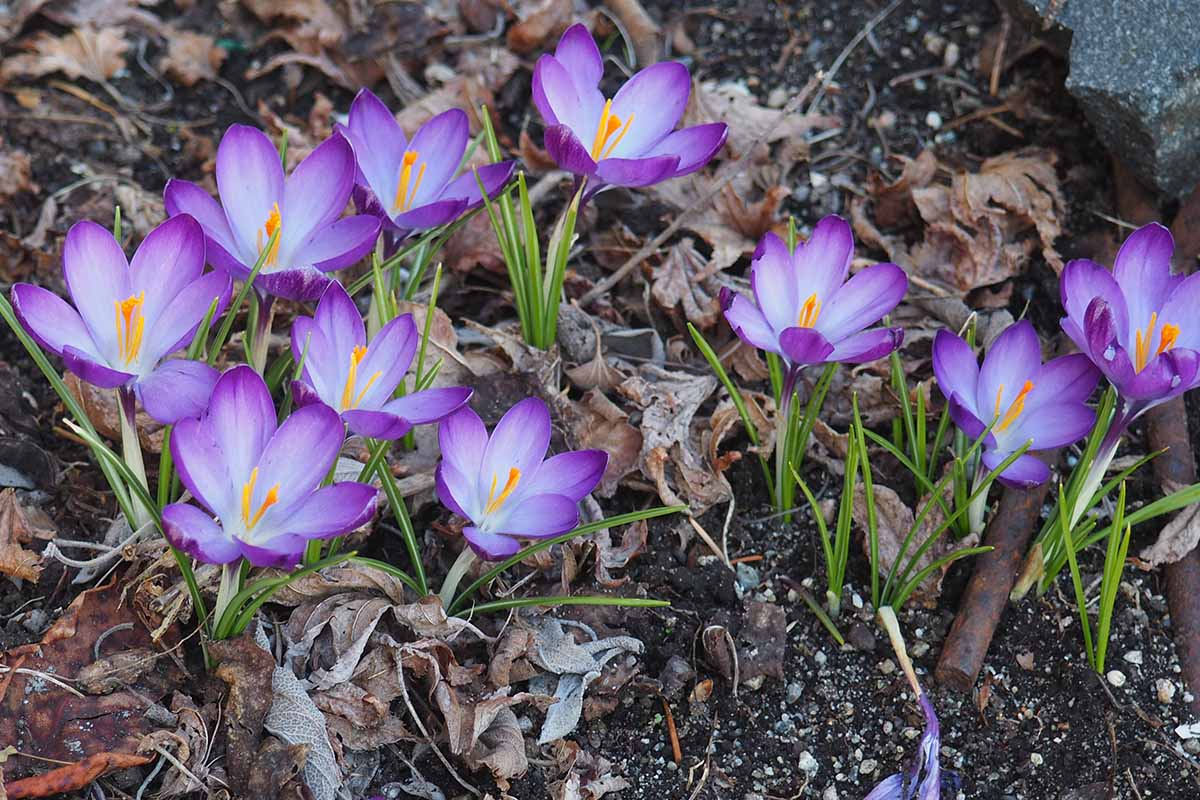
[1035, 759]
[778, 97]
[807, 763]
[933, 119]
[951, 56]
[830, 793]
[1116, 678]
[794, 690]
[868, 766]
[1134, 657]
[1165, 690]
[887, 666]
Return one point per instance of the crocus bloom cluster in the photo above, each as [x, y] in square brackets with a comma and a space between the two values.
[128, 316]
[504, 484]
[629, 139]
[257, 200]
[1134, 323]
[923, 778]
[1023, 399]
[357, 379]
[411, 186]
[806, 311]
[261, 481]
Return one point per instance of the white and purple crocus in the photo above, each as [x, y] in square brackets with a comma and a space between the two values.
[357, 379]
[260, 483]
[1024, 400]
[923, 778]
[504, 485]
[805, 311]
[411, 185]
[257, 200]
[628, 139]
[129, 316]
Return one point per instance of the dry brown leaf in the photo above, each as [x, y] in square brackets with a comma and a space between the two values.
[609, 557]
[730, 223]
[748, 120]
[541, 21]
[587, 777]
[16, 173]
[192, 57]
[86, 52]
[685, 279]
[17, 529]
[102, 409]
[1176, 539]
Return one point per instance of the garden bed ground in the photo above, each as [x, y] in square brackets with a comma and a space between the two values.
[824, 721]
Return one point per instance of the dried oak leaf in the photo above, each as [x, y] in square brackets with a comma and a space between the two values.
[192, 57]
[16, 530]
[541, 21]
[86, 52]
[246, 669]
[685, 279]
[749, 121]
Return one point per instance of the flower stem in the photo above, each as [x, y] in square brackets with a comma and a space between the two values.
[460, 568]
[978, 507]
[887, 620]
[230, 578]
[132, 451]
[262, 333]
[783, 431]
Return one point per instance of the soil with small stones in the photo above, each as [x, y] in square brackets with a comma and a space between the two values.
[1040, 724]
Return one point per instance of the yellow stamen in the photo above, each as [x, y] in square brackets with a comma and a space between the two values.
[495, 501]
[248, 519]
[349, 398]
[130, 324]
[273, 223]
[405, 197]
[809, 312]
[1015, 408]
[610, 123]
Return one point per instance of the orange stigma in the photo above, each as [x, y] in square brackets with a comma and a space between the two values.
[406, 189]
[610, 123]
[495, 501]
[809, 312]
[249, 519]
[1144, 341]
[1015, 408]
[274, 223]
[130, 324]
[349, 398]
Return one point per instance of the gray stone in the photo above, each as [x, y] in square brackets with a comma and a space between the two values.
[1135, 69]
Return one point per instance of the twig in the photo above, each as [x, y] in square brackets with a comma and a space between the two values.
[676, 752]
[827, 77]
[429, 739]
[44, 676]
[712, 545]
[998, 57]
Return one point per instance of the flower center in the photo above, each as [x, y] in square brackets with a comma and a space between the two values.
[349, 398]
[610, 123]
[406, 190]
[273, 223]
[250, 519]
[1144, 340]
[130, 324]
[495, 501]
[809, 312]
[1015, 407]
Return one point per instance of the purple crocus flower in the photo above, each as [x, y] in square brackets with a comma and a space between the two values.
[923, 778]
[502, 485]
[256, 200]
[128, 316]
[411, 186]
[806, 311]
[260, 480]
[1133, 322]
[630, 139]
[358, 380]
[1026, 400]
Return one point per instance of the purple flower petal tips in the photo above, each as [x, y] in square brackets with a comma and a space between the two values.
[410, 186]
[922, 780]
[1023, 399]
[357, 379]
[257, 200]
[629, 139]
[804, 308]
[128, 317]
[503, 483]
[260, 501]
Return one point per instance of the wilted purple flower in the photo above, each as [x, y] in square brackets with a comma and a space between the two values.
[1026, 400]
[630, 139]
[1133, 322]
[128, 317]
[411, 186]
[261, 481]
[358, 380]
[806, 311]
[257, 200]
[503, 486]
[923, 778]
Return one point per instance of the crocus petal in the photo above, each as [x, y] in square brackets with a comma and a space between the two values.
[250, 182]
[97, 276]
[580, 57]
[279, 552]
[390, 354]
[338, 320]
[342, 243]
[429, 405]
[333, 510]
[1181, 310]
[185, 197]
[51, 320]
[490, 546]
[431, 215]
[441, 143]
[304, 395]
[1014, 358]
[376, 424]
[955, 367]
[1102, 345]
[748, 322]
[170, 258]
[323, 371]
[518, 441]
[572, 474]
[178, 389]
[867, 346]
[804, 346]
[463, 439]
[863, 300]
[176, 324]
[695, 146]
[636, 171]
[1061, 424]
[774, 283]
[1024, 473]
[567, 151]
[378, 140]
[202, 467]
[538, 516]
[1169, 374]
[194, 532]
[655, 97]
[314, 431]
[300, 284]
[493, 176]
[241, 420]
[87, 367]
[966, 417]
[314, 195]
[1143, 270]
[555, 95]
[890, 788]
[1081, 282]
[454, 489]
[1070, 378]
[822, 263]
